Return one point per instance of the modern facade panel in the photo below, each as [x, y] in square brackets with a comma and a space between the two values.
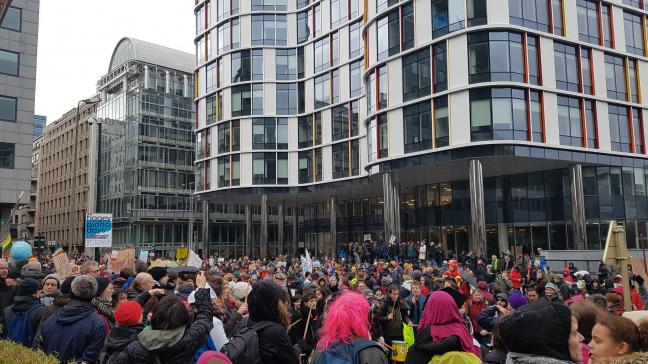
[18, 45]
[40, 121]
[145, 147]
[523, 101]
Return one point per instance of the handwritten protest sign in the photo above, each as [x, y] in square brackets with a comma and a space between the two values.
[62, 265]
[120, 259]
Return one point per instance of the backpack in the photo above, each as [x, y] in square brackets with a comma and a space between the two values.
[243, 347]
[342, 353]
[20, 329]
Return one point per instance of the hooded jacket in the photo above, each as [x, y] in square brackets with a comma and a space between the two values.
[22, 304]
[74, 332]
[118, 340]
[171, 346]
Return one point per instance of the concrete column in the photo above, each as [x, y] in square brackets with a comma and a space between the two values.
[205, 227]
[295, 231]
[167, 80]
[477, 216]
[264, 226]
[391, 199]
[124, 83]
[280, 229]
[577, 205]
[248, 230]
[333, 240]
[146, 77]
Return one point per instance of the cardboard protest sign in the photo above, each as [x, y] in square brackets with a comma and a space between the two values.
[120, 259]
[62, 265]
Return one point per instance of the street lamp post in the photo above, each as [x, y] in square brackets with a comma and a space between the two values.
[75, 201]
[190, 239]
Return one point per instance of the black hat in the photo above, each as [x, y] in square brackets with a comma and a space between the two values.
[456, 296]
[28, 287]
[157, 273]
[102, 283]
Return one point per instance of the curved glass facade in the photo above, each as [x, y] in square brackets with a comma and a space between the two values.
[324, 93]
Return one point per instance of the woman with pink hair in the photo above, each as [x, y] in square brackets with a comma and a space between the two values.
[345, 333]
[442, 329]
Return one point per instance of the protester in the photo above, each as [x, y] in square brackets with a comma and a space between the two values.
[74, 332]
[614, 337]
[102, 302]
[392, 316]
[345, 333]
[128, 318]
[23, 317]
[50, 289]
[142, 282]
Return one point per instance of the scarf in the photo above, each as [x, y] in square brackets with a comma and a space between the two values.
[104, 307]
[442, 316]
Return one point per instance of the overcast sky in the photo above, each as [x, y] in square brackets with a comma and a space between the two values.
[76, 39]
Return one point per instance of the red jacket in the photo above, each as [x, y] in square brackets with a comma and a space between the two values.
[516, 279]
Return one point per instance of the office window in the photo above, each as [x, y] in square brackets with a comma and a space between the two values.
[322, 91]
[286, 98]
[569, 122]
[224, 171]
[7, 155]
[309, 130]
[339, 12]
[557, 11]
[383, 136]
[355, 78]
[355, 39]
[586, 70]
[495, 56]
[416, 75]
[532, 14]
[229, 35]
[634, 33]
[12, 19]
[317, 20]
[269, 30]
[591, 128]
[533, 63]
[257, 98]
[606, 11]
[341, 160]
[615, 77]
[388, 35]
[588, 21]
[632, 80]
[322, 55]
[382, 86]
[302, 3]
[637, 131]
[301, 97]
[286, 64]
[340, 122]
[619, 128]
[270, 168]
[537, 124]
[9, 62]
[8, 108]
[498, 114]
[407, 26]
[241, 100]
[268, 5]
[310, 165]
[226, 8]
[371, 92]
[440, 67]
[214, 108]
[566, 63]
[247, 65]
[418, 127]
[270, 133]
[441, 124]
[304, 26]
[476, 12]
[301, 71]
[447, 16]
[229, 136]
[335, 49]
[354, 108]
[384, 4]
[335, 86]
[212, 82]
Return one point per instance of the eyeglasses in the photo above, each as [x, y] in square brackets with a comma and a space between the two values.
[501, 300]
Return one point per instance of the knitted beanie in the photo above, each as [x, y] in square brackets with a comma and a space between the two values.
[84, 287]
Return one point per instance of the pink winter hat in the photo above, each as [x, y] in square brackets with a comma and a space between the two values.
[213, 357]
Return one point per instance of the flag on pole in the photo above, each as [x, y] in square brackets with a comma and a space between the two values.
[307, 263]
[58, 251]
[6, 242]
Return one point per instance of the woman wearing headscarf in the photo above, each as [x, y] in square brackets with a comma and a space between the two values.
[442, 329]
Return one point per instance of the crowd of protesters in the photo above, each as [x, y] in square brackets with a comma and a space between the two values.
[407, 302]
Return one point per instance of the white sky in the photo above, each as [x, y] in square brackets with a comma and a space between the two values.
[76, 39]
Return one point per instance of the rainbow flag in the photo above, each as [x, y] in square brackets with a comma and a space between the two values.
[6, 242]
[58, 251]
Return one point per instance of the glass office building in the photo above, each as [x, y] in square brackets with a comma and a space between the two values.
[146, 145]
[481, 125]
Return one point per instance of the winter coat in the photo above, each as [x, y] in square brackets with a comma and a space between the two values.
[370, 355]
[22, 304]
[517, 358]
[59, 302]
[424, 349]
[74, 332]
[496, 356]
[275, 346]
[118, 339]
[392, 328]
[416, 308]
[171, 346]
[7, 295]
[516, 279]
[623, 359]
[488, 318]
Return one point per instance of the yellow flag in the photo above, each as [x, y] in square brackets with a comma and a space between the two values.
[6, 242]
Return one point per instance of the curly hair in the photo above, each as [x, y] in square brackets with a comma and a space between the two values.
[347, 318]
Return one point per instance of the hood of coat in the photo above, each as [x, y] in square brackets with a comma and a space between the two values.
[121, 336]
[23, 303]
[74, 312]
[624, 359]
[160, 339]
[518, 358]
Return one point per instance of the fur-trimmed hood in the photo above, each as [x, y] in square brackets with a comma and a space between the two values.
[634, 358]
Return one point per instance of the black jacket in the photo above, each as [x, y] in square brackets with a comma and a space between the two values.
[496, 356]
[118, 340]
[7, 295]
[22, 304]
[193, 338]
[275, 346]
[424, 349]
